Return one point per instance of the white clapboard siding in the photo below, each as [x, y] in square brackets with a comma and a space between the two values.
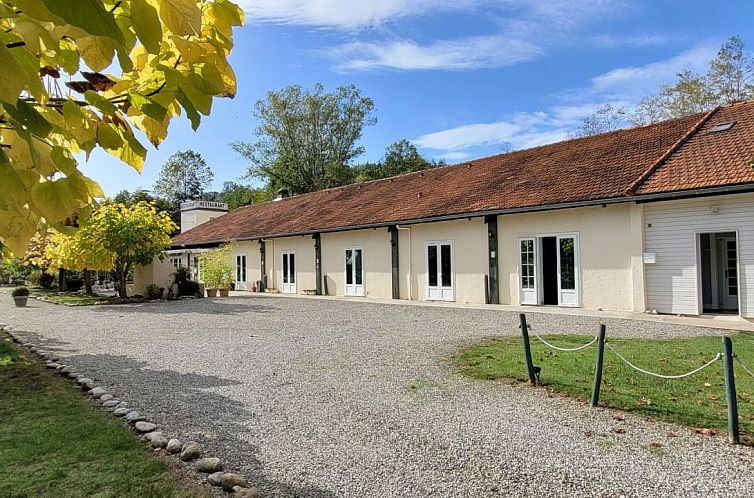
[670, 231]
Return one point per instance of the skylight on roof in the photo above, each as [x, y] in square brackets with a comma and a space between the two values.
[722, 127]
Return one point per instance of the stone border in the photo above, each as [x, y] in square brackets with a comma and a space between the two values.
[190, 453]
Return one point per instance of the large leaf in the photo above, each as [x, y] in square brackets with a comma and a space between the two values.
[89, 15]
[54, 200]
[147, 25]
[147, 106]
[97, 51]
[182, 17]
[11, 76]
[28, 117]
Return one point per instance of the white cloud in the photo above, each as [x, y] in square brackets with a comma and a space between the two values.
[452, 156]
[633, 80]
[345, 14]
[462, 54]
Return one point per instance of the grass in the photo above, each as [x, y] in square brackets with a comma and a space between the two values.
[697, 401]
[53, 442]
[74, 298]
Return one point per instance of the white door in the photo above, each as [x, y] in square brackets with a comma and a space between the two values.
[289, 273]
[727, 273]
[354, 259]
[440, 271]
[241, 272]
[568, 285]
[528, 271]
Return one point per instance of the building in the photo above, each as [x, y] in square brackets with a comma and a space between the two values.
[658, 217]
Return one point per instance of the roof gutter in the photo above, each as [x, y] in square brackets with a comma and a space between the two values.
[688, 194]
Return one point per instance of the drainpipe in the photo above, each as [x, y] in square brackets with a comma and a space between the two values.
[318, 263]
[410, 257]
[262, 266]
[395, 263]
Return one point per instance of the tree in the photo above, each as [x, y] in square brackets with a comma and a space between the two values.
[306, 139]
[184, 176]
[171, 59]
[236, 195]
[730, 78]
[400, 157]
[133, 235]
[73, 252]
[606, 118]
[139, 195]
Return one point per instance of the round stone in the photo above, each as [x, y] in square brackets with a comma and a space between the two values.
[97, 392]
[111, 403]
[134, 416]
[145, 427]
[121, 412]
[106, 397]
[230, 481]
[215, 479]
[191, 451]
[209, 465]
[174, 446]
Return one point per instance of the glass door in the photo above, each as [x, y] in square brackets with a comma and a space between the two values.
[241, 272]
[289, 273]
[567, 250]
[528, 273]
[440, 271]
[354, 271]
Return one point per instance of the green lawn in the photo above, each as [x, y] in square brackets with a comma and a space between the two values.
[53, 442]
[65, 297]
[697, 401]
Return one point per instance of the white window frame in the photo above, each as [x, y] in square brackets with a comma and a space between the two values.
[358, 290]
[576, 302]
[445, 293]
[291, 286]
[242, 284]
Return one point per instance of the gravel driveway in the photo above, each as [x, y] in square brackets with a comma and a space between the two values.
[325, 398]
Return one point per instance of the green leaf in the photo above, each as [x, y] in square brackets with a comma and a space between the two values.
[147, 25]
[11, 77]
[89, 15]
[191, 112]
[100, 102]
[68, 56]
[53, 200]
[28, 117]
[147, 106]
[108, 137]
[97, 51]
[63, 160]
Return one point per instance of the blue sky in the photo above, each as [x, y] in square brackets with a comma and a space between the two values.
[459, 78]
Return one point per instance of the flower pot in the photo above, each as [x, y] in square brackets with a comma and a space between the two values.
[20, 301]
[211, 292]
[223, 292]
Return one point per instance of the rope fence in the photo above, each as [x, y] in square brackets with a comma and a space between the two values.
[661, 376]
[727, 356]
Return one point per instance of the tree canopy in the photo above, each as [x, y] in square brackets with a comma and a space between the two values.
[306, 139]
[729, 78]
[400, 157]
[169, 56]
[184, 176]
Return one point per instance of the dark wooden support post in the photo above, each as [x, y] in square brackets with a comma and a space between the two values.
[394, 258]
[262, 265]
[730, 391]
[598, 366]
[318, 262]
[527, 350]
[494, 275]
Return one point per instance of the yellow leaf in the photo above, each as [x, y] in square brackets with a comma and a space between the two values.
[97, 51]
[53, 200]
[182, 17]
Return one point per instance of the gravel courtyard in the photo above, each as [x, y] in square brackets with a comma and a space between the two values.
[323, 398]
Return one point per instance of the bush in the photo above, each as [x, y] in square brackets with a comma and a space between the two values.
[153, 292]
[186, 286]
[74, 284]
[20, 291]
[40, 278]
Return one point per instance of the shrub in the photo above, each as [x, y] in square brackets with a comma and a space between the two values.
[217, 271]
[186, 286]
[46, 280]
[74, 284]
[20, 291]
[153, 292]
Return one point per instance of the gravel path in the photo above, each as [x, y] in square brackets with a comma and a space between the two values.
[325, 398]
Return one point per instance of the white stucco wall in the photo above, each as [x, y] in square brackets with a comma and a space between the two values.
[377, 262]
[609, 255]
[303, 246]
[470, 263]
[159, 273]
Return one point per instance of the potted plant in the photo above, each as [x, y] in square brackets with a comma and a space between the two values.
[217, 271]
[20, 296]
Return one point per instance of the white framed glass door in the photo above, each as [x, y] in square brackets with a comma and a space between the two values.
[528, 271]
[289, 272]
[354, 260]
[241, 272]
[549, 270]
[440, 278]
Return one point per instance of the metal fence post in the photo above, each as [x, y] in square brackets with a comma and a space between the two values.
[730, 391]
[598, 367]
[527, 350]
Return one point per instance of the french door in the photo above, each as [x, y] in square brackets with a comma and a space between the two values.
[549, 270]
[289, 273]
[241, 272]
[440, 278]
[354, 259]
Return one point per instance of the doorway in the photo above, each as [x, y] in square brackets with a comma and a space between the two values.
[289, 273]
[241, 272]
[440, 271]
[354, 271]
[718, 255]
[550, 270]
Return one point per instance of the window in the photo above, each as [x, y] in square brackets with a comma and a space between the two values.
[567, 264]
[722, 127]
[432, 265]
[175, 261]
[527, 264]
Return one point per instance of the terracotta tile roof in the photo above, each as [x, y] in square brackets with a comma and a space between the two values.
[599, 167]
[710, 159]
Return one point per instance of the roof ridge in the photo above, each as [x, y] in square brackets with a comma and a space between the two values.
[631, 190]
